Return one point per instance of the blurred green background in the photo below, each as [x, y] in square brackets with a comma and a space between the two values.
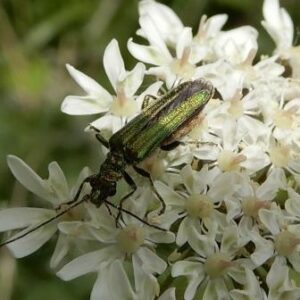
[37, 39]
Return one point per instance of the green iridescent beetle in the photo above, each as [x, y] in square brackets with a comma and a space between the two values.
[160, 124]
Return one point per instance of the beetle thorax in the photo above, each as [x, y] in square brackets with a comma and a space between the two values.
[113, 167]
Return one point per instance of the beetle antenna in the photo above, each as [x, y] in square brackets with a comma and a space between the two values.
[85, 198]
[43, 223]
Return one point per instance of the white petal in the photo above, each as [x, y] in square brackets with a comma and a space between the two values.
[32, 241]
[203, 244]
[20, 217]
[214, 24]
[109, 122]
[112, 283]
[270, 219]
[252, 289]
[85, 105]
[294, 259]
[100, 289]
[86, 263]
[58, 182]
[134, 79]
[169, 196]
[27, 177]
[216, 289]
[263, 249]
[61, 249]
[117, 275]
[89, 85]
[113, 63]
[153, 36]
[191, 289]
[186, 268]
[256, 160]
[147, 260]
[278, 273]
[229, 243]
[182, 232]
[169, 294]
[278, 23]
[184, 41]
[234, 45]
[162, 237]
[146, 54]
[166, 21]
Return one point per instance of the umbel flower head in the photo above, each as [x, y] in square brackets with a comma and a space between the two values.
[231, 187]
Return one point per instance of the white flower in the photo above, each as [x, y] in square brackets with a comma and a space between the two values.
[195, 207]
[252, 289]
[280, 27]
[132, 244]
[165, 20]
[213, 266]
[280, 283]
[278, 23]
[98, 100]
[54, 190]
[231, 188]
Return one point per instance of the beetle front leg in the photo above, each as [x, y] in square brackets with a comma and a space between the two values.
[147, 175]
[99, 136]
[132, 184]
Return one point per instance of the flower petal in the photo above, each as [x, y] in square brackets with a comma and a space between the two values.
[147, 260]
[108, 277]
[58, 182]
[86, 263]
[166, 21]
[85, 105]
[216, 289]
[61, 249]
[169, 294]
[134, 79]
[20, 217]
[153, 36]
[184, 41]
[147, 54]
[278, 23]
[113, 63]
[33, 241]
[89, 85]
[27, 177]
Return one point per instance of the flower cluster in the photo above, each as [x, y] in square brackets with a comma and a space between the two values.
[231, 189]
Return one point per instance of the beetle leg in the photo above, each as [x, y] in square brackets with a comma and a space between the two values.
[99, 136]
[147, 175]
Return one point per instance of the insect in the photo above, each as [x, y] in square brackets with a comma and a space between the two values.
[160, 124]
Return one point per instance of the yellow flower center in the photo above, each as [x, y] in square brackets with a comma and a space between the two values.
[229, 161]
[280, 156]
[216, 265]
[286, 242]
[251, 205]
[131, 238]
[199, 206]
